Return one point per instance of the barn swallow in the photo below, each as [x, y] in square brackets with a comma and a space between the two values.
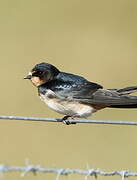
[74, 96]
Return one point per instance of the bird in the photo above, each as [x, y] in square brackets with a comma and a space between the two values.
[74, 96]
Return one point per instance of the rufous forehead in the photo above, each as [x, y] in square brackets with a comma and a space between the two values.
[31, 72]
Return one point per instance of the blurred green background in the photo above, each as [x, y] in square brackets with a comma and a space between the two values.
[95, 39]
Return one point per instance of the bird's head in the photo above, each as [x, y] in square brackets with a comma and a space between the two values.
[42, 73]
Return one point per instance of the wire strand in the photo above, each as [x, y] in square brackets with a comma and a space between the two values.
[70, 121]
[60, 171]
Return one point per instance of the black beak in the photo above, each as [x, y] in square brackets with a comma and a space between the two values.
[28, 77]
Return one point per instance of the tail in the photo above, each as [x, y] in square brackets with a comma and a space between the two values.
[124, 106]
[126, 91]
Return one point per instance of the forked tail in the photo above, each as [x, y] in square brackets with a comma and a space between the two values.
[126, 91]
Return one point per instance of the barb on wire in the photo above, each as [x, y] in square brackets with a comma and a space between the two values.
[59, 171]
[70, 121]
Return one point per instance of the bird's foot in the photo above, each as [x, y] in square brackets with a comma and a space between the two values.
[66, 119]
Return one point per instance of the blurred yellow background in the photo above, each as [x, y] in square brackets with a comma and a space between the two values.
[95, 39]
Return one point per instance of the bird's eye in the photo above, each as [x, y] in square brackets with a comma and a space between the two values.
[40, 72]
[37, 73]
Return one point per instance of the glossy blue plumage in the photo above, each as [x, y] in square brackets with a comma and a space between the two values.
[66, 85]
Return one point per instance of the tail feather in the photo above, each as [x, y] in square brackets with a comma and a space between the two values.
[124, 106]
[126, 91]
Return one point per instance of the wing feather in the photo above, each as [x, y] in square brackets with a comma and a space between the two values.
[107, 97]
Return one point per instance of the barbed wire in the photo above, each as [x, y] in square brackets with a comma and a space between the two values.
[71, 121]
[60, 171]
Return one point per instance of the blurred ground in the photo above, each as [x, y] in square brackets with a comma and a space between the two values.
[95, 39]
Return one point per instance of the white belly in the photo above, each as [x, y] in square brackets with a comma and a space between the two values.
[70, 108]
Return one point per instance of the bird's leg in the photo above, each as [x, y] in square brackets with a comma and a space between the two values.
[66, 121]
